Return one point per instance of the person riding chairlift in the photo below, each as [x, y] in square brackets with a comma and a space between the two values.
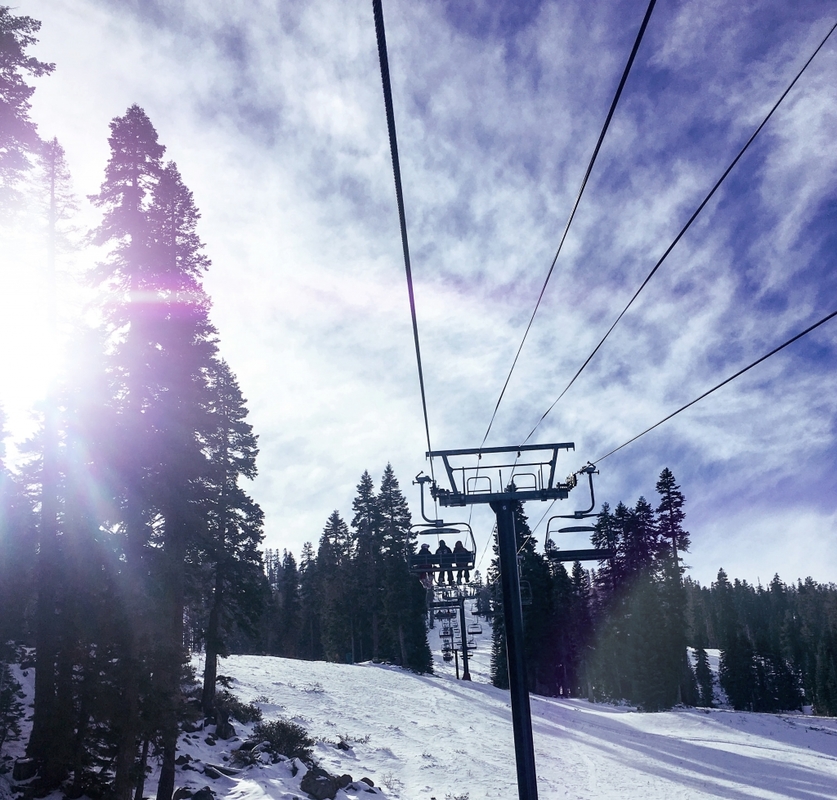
[462, 562]
[444, 550]
[426, 575]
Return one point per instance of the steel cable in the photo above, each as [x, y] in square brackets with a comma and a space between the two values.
[722, 383]
[593, 158]
[378, 12]
[683, 231]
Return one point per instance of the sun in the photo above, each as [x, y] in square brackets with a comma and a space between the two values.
[31, 338]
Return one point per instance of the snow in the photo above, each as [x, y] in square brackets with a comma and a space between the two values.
[423, 737]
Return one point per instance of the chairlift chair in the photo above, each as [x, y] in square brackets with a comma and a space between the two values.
[474, 628]
[424, 563]
[427, 562]
[587, 554]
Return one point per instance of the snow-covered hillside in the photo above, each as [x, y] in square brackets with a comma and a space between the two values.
[422, 737]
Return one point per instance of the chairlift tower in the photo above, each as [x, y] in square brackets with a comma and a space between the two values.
[515, 474]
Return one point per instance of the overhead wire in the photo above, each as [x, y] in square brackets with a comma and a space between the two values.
[683, 230]
[488, 542]
[593, 158]
[378, 13]
[721, 384]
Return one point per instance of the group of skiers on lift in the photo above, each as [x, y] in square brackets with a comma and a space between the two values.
[460, 559]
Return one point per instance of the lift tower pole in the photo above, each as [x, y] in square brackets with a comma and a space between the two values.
[483, 483]
[524, 745]
[466, 672]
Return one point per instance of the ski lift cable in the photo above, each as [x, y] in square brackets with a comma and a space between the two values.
[485, 549]
[722, 383]
[575, 207]
[534, 530]
[683, 230]
[396, 171]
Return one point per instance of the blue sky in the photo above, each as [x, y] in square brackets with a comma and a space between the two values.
[274, 114]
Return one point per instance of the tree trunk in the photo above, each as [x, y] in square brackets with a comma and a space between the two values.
[128, 726]
[141, 771]
[127, 721]
[213, 644]
[173, 650]
[45, 740]
[403, 644]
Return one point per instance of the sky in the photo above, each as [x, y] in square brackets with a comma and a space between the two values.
[274, 114]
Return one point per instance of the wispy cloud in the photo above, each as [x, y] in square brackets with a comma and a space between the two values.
[273, 112]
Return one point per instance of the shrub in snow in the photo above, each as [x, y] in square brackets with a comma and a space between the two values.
[243, 712]
[280, 738]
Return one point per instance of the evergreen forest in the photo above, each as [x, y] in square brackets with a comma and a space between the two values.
[129, 538]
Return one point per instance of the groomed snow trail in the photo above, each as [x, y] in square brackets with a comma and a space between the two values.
[421, 737]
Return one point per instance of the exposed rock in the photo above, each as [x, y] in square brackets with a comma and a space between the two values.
[191, 727]
[183, 759]
[211, 772]
[321, 785]
[368, 781]
[204, 794]
[183, 793]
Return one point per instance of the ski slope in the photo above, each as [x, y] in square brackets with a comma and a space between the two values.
[422, 737]
[436, 737]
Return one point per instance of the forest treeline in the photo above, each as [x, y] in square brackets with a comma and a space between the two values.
[130, 507]
[352, 599]
[620, 631]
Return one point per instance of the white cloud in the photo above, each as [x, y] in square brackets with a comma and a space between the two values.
[275, 116]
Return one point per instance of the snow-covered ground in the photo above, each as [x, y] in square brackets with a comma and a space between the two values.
[422, 737]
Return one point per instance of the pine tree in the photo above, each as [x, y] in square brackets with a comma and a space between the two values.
[163, 346]
[235, 522]
[49, 742]
[310, 646]
[89, 586]
[670, 514]
[367, 569]
[335, 610]
[703, 674]
[670, 517]
[397, 540]
[18, 547]
[606, 536]
[290, 605]
[499, 657]
[737, 672]
[126, 275]
[18, 134]
[403, 598]
[581, 631]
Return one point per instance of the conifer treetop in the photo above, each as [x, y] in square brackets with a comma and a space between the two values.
[18, 134]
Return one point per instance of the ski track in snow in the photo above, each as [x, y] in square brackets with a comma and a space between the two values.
[421, 737]
[434, 736]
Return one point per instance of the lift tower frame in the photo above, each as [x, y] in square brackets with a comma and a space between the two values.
[526, 479]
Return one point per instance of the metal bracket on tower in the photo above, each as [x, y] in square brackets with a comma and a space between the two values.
[500, 477]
